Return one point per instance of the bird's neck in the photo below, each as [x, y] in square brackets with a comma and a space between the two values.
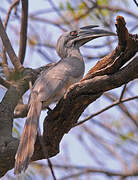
[74, 53]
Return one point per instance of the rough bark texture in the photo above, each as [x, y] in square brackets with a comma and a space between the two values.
[105, 75]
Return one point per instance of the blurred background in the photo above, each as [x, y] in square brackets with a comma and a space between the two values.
[105, 146]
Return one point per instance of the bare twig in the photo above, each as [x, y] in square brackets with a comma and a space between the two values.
[44, 20]
[58, 12]
[105, 109]
[51, 168]
[44, 55]
[111, 8]
[4, 58]
[9, 48]
[122, 93]
[102, 171]
[123, 108]
[46, 154]
[90, 150]
[85, 169]
[23, 31]
[112, 131]
[108, 147]
[15, 3]
[135, 2]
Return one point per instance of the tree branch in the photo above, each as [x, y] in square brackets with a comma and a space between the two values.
[84, 169]
[117, 102]
[4, 57]
[135, 2]
[101, 171]
[4, 83]
[60, 121]
[116, 9]
[124, 108]
[23, 31]
[126, 49]
[15, 3]
[8, 144]
[9, 48]
[76, 101]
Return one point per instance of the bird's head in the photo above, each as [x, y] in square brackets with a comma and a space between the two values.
[76, 38]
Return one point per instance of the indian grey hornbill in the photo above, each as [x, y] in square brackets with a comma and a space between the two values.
[51, 85]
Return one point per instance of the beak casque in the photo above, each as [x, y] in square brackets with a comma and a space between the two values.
[88, 33]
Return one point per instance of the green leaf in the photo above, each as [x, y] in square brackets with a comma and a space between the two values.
[123, 138]
[102, 2]
[130, 134]
[104, 12]
[127, 136]
[70, 8]
[82, 5]
[61, 6]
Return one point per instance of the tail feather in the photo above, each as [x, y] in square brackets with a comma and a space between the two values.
[26, 146]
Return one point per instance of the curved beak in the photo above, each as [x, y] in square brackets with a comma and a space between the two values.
[88, 33]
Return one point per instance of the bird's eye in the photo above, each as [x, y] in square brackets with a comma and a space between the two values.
[73, 33]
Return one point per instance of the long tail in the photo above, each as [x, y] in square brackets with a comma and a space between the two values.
[26, 146]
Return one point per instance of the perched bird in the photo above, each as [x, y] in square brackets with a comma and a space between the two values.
[52, 84]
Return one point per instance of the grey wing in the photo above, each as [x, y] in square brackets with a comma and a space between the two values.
[51, 85]
[43, 73]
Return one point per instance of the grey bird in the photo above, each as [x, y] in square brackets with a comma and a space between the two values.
[52, 84]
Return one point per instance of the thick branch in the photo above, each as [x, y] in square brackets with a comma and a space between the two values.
[126, 49]
[80, 95]
[65, 115]
[70, 108]
[8, 144]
